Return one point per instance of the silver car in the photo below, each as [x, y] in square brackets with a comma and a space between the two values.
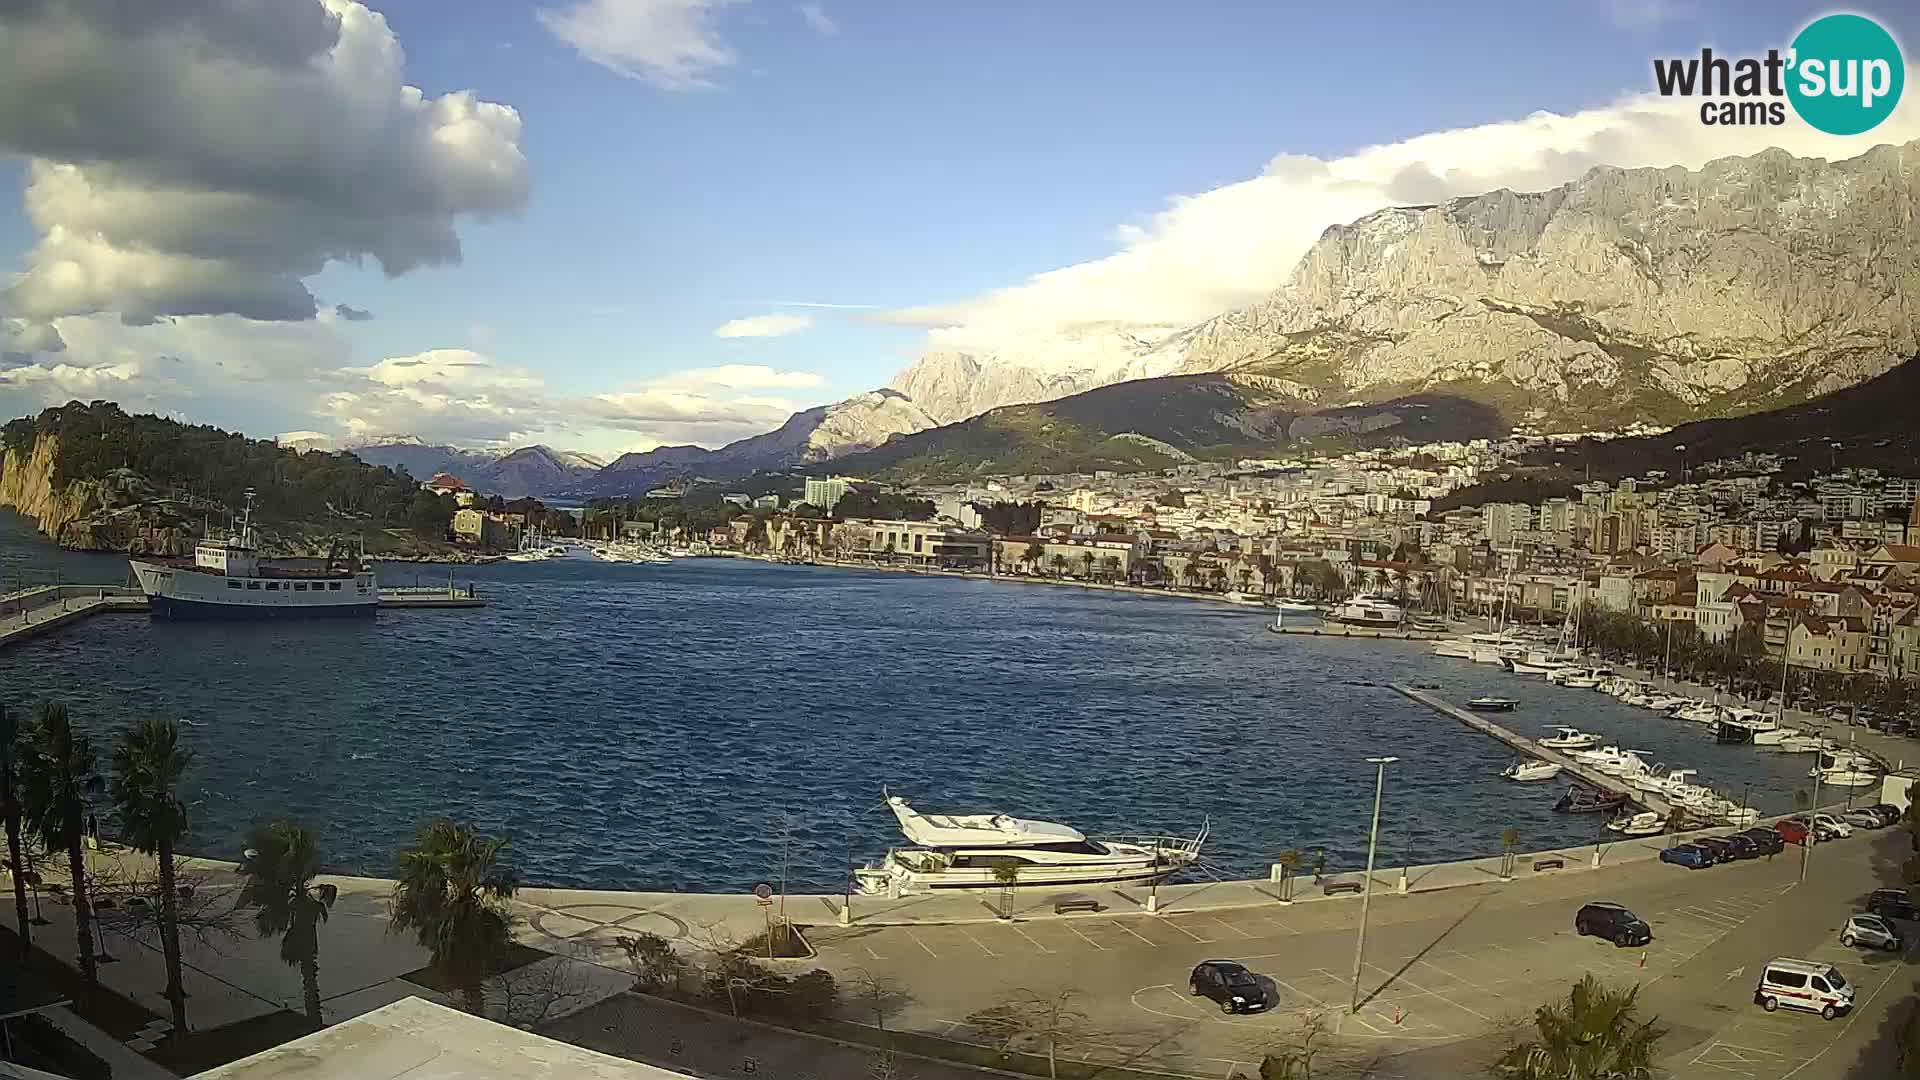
[1871, 931]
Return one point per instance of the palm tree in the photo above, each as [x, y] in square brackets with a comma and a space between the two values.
[453, 895]
[1509, 839]
[1007, 875]
[1111, 564]
[1035, 552]
[147, 763]
[1593, 1035]
[56, 776]
[1086, 561]
[10, 810]
[282, 859]
[1059, 564]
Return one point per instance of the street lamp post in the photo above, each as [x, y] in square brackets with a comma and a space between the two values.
[1366, 895]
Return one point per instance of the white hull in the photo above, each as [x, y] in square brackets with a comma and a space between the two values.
[175, 591]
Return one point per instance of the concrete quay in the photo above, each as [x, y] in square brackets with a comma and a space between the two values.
[1341, 631]
[1587, 775]
[32, 612]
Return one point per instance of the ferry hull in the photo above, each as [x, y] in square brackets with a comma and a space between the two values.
[175, 609]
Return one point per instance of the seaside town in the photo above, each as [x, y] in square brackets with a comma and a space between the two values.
[1826, 569]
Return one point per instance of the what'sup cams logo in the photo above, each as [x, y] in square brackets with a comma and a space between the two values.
[1843, 75]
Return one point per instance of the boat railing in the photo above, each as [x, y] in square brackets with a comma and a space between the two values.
[1176, 845]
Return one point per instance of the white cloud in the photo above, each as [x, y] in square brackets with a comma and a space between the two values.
[1224, 248]
[197, 157]
[669, 43]
[745, 377]
[817, 18]
[763, 326]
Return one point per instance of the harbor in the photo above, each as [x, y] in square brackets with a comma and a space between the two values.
[1586, 774]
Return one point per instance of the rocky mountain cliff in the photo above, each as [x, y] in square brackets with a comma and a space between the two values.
[819, 434]
[1659, 295]
[952, 384]
[529, 470]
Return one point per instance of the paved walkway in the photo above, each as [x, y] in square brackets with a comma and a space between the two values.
[28, 614]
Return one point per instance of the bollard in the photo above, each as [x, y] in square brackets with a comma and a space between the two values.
[846, 915]
[1153, 904]
[1403, 881]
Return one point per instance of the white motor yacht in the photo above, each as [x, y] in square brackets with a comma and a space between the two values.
[955, 851]
[1531, 770]
[1367, 611]
[1700, 712]
[1801, 743]
[1851, 778]
[1774, 736]
[1566, 738]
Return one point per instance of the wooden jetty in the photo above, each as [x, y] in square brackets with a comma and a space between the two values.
[1586, 774]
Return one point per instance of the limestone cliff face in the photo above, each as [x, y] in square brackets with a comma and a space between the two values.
[1644, 294]
[954, 384]
[26, 486]
[83, 515]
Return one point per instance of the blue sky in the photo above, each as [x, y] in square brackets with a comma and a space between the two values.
[898, 155]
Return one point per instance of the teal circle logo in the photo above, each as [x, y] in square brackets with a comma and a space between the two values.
[1847, 74]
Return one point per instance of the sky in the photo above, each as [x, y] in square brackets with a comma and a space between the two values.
[609, 225]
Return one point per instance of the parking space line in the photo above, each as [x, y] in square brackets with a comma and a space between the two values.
[976, 941]
[1230, 926]
[1711, 918]
[1150, 942]
[870, 951]
[1088, 940]
[1451, 975]
[1189, 933]
[1402, 978]
[922, 944]
[1035, 942]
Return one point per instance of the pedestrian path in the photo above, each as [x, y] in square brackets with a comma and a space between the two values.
[28, 614]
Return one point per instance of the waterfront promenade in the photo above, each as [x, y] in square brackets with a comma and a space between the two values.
[1451, 964]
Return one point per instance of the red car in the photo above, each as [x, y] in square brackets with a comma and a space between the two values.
[1792, 830]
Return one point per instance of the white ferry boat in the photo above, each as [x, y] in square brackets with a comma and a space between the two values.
[964, 852]
[226, 579]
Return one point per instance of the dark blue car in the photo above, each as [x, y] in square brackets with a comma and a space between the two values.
[1689, 856]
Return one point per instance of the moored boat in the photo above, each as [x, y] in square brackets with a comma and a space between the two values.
[1491, 704]
[1566, 738]
[954, 851]
[1528, 771]
[227, 579]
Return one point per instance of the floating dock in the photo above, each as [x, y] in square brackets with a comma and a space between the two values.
[33, 612]
[408, 596]
[1340, 630]
[1586, 774]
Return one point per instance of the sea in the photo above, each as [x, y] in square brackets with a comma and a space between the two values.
[712, 723]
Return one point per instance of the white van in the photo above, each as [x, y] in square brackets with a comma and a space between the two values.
[1803, 984]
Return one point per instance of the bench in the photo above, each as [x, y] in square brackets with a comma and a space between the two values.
[1549, 864]
[1075, 903]
[1332, 888]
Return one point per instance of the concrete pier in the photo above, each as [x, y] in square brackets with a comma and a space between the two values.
[1338, 630]
[1587, 775]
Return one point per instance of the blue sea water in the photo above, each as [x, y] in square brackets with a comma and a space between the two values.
[645, 727]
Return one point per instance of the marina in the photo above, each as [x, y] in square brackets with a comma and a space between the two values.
[1586, 774]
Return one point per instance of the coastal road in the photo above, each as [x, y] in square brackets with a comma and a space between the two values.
[1445, 974]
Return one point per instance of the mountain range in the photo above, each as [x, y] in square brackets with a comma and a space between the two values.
[1627, 296]
[529, 470]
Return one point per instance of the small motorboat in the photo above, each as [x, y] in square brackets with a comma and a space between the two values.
[1645, 823]
[1289, 606]
[1531, 770]
[1586, 800]
[1491, 704]
[1566, 738]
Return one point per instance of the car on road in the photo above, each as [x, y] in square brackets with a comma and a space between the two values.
[1719, 849]
[1872, 931]
[1689, 856]
[1744, 846]
[1768, 840]
[1229, 985]
[1803, 984]
[1791, 830]
[1892, 904]
[1831, 826]
[1889, 812]
[1866, 817]
[1605, 919]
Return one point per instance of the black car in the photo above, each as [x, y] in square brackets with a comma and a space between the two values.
[1892, 904]
[1722, 851]
[1613, 922]
[1744, 846]
[1229, 985]
[1767, 840]
[1888, 811]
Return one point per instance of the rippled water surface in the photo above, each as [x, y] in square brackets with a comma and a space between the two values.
[642, 726]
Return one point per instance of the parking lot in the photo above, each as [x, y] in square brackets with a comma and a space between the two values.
[1439, 968]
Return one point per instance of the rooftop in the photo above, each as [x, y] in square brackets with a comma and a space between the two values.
[419, 1040]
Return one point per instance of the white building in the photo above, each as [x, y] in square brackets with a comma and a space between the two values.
[824, 495]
